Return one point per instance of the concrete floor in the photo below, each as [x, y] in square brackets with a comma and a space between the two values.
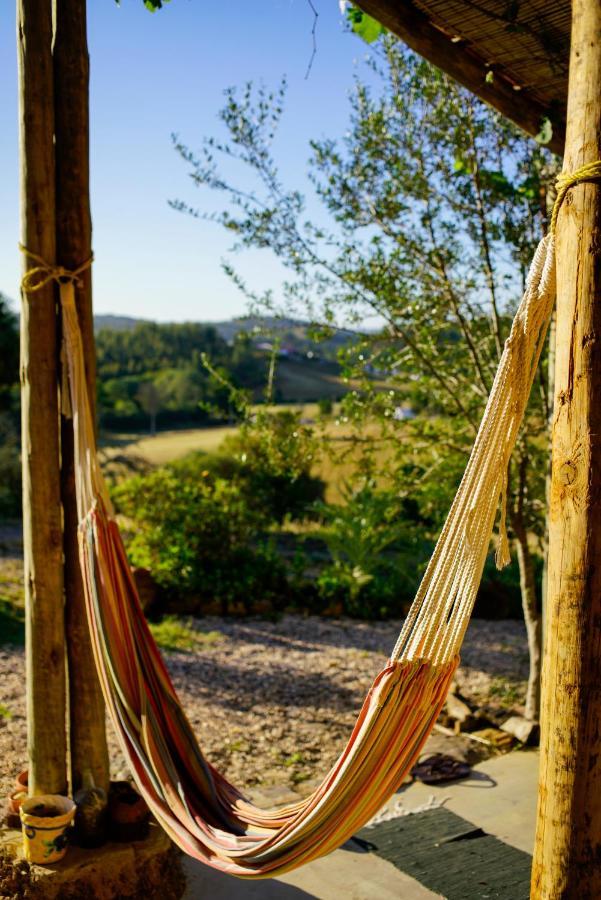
[500, 797]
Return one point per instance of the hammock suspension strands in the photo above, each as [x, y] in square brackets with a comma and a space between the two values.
[204, 814]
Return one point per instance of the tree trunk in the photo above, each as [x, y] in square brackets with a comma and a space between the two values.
[42, 527]
[73, 246]
[531, 618]
[567, 856]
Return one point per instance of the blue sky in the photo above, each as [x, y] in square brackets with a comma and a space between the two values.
[154, 74]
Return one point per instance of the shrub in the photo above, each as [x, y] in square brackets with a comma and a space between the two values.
[270, 461]
[172, 633]
[325, 407]
[377, 559]
[10, 468]
[200, 538]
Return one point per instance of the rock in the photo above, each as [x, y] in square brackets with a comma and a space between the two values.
[273, 795]
[526, 731]
[494, 737]
[460, 713]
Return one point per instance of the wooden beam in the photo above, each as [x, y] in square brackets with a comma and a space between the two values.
[73, 246]
[462, 63]
[42, 527]
[567, 856]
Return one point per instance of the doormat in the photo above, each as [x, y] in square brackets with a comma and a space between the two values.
[450, 856]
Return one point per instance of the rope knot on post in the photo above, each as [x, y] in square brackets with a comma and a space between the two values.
[567, 180]
[39, 276]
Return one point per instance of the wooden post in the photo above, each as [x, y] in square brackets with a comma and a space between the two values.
[567, 857]
[42, 527]
[73, 246]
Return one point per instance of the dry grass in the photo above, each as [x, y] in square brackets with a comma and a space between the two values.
[335, 467]
[168, 446]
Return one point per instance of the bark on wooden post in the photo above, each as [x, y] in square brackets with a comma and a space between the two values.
[73, 246]
[42, 531]
[567, 858]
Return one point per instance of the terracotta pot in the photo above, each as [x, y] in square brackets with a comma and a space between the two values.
[128, 813]
[22, 781]
[13, 804]
[15, 800]
[45, 821]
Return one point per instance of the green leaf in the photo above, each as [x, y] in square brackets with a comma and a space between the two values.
[490, 77]
[546, 131]
[366, 27]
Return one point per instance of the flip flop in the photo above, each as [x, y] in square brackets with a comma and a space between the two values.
[439, 768]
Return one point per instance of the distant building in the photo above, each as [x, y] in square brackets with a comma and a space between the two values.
[402, 413]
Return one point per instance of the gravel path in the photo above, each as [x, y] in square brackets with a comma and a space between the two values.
[273, 702]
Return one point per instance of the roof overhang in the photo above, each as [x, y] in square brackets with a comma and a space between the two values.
[513, 56]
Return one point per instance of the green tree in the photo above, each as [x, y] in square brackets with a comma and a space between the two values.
[9, 352]
[432, 205]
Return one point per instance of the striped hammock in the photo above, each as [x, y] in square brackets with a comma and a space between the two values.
[206, 815]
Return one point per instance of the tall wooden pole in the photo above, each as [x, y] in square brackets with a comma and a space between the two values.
[567, 857]
[74, 246]
[42, 527]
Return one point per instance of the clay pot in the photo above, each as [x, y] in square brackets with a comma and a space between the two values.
[45, 821]
[13, 805]
[15, 800]
[22, 781]
[128, 813]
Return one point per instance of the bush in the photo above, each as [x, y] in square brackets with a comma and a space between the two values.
[377, 559]
[325, 407]
[200, 538]
[10, 469]
[270, 461]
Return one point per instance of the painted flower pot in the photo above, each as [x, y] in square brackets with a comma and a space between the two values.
[45, 822]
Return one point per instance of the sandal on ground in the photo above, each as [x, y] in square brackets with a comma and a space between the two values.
[440, 768]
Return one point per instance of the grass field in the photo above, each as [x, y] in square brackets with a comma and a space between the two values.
[168, 446]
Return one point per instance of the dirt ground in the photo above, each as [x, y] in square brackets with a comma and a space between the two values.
[272, 703]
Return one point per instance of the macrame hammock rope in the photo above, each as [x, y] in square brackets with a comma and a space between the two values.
[204, 814]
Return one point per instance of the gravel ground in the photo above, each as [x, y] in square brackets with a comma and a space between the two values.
[273, 702]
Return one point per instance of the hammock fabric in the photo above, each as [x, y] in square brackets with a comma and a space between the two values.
[203, 813]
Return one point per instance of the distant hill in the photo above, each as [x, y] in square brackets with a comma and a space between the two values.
[116, 323]
[293, 336]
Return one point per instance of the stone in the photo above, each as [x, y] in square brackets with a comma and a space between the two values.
[525, 730]
[460, 714]
[143, 870]
[494, 737]
[273, 795]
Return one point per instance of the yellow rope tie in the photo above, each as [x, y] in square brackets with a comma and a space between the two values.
[567, 180]
[34, 280]
[42, 274]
